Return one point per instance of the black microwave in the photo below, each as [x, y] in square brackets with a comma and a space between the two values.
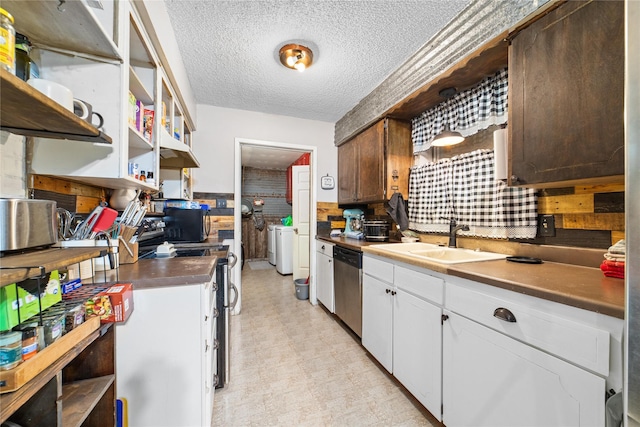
[186, 225]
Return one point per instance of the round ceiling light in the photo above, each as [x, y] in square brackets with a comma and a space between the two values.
[296, 57]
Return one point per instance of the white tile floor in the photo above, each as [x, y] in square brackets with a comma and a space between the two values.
[294, 364]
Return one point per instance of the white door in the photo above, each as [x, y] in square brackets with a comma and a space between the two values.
[324, 273]
[492, 380]
[417, 349]
[377, 319]
[300, 213]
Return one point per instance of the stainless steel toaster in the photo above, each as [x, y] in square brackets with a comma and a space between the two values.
[27, 223]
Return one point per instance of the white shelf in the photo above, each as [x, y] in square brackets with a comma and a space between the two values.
[137, 140]
[137, 88]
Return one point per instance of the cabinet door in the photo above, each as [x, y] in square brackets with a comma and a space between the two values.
[370, 146]
[324, 286]
[377, 317]
[347, 166]
[566, 92]
[492, 380]
[417, 349]
[398, 158]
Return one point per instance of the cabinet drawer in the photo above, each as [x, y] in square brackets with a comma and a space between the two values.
[377, 268]
[420, 284]
[539, 323]
[324, 248]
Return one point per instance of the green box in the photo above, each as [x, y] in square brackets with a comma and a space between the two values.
[27, 299]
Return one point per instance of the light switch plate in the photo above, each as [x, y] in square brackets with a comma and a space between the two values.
[546, 226]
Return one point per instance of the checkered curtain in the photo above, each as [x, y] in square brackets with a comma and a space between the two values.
[467, 112]
[464, 188]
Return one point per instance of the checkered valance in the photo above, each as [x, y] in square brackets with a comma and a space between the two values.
[467, 112]
[464, 188]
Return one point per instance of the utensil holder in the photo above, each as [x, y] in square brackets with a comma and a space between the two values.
[128, 252]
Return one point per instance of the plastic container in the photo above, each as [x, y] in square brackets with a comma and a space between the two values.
[10, 349]
[302, 289]
[7, 42]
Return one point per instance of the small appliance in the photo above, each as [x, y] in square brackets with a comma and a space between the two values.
[185, 225]
[27, 223]
[376, 230]
[353, 227]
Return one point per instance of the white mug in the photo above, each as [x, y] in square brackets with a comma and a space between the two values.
[60, 94]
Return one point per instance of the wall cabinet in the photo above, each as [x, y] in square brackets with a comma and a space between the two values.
[375, 164]
[106, 58]
[172, 381]
[566, 94]
[324, 283]
[401, 327]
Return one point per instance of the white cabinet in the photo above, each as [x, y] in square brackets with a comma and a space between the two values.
[493, 380]
[401, 326]
[324, 267]
[165, 356]
[417, 349]
[514, 360]
[106, 57]
[377, 318]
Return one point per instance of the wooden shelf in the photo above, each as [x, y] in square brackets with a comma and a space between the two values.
[26, 111]
[11, 402]
[80, 397]
[16, 268]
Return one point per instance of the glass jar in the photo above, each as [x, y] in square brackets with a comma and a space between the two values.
[26, 68]
[10, 350]
[7, 42]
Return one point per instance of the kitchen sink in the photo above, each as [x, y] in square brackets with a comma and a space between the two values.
[441, 254]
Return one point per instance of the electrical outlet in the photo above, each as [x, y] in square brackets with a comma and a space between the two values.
[221, 203]
[546, 226]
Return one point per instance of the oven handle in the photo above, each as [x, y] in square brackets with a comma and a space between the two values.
[232, 304]
[233, 259]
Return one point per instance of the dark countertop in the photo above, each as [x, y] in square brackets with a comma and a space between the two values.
[582, 287]
[155, 273]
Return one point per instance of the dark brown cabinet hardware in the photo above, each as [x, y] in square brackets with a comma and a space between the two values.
[504, 314]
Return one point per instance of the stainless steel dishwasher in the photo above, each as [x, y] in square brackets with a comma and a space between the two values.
[347, 283]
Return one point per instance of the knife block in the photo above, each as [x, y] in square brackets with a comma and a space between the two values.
[128, 251]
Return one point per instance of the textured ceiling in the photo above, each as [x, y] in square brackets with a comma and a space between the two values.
[230, 50]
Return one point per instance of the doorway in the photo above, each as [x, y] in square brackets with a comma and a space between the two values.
[246, 151]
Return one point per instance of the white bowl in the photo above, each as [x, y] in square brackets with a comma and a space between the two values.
[61, 94]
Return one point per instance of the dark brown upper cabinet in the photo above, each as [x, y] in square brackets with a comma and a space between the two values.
[566, 92]
[375, 163]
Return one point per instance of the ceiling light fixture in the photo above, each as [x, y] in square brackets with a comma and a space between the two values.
[296, 57]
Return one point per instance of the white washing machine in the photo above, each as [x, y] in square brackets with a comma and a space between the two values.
[284, 249]
[271, 243]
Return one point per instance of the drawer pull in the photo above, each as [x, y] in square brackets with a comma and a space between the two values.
[504, 314]
[387, 291]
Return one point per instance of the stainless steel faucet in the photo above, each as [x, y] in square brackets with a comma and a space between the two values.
[453, 229]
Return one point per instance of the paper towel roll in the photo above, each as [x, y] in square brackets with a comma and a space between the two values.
[500, 153]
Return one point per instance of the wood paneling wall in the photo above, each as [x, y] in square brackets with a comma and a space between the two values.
[73, 196]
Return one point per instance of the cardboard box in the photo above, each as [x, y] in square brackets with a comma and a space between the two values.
[70, 286]
[24, 296]
[113, 305]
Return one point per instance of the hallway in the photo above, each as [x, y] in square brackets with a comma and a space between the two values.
[293, 364]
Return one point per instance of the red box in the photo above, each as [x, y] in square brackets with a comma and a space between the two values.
[121, 298]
